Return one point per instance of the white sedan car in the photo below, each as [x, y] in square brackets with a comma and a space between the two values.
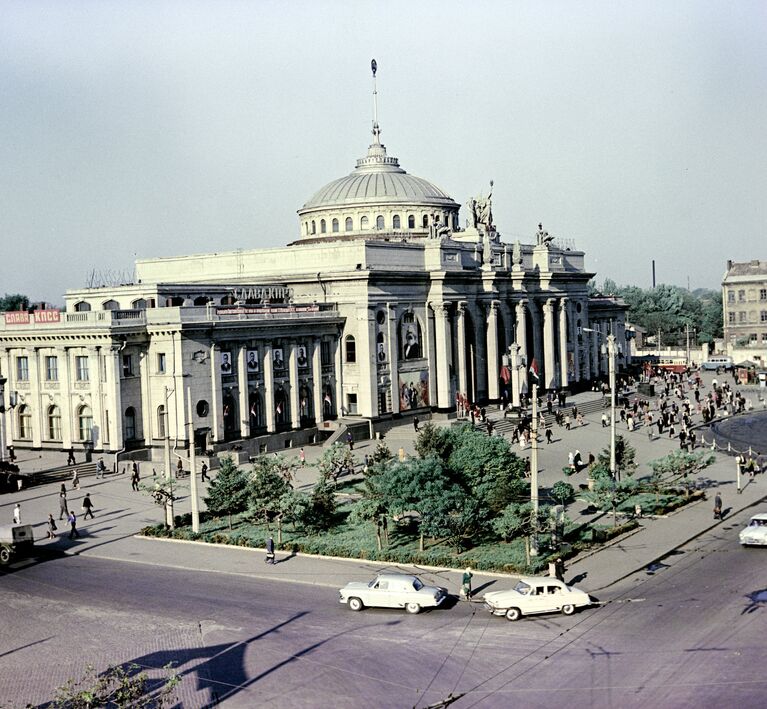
[756, 532]
[536, 594]
[392, 590]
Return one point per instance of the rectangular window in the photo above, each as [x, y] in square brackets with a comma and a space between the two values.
[730, 296]
[81, 368]
[731, 317]
[22, 368]
[763, 294]
[127, 365]
[753, 338]
[161, 362]
[742, 316]
[51, 368]
[351, 400]
[325, 353]
[741, 296]
[763, 315]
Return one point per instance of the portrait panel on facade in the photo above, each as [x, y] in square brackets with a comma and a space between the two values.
[413, 390]
[279, 362]
[252, 360]
[303, 360]
[226, 362]
[410, 338]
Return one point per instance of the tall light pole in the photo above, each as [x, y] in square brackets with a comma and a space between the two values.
[534, 472]
[192, 463]
[3, 380]
[515, 381]
[166, 461]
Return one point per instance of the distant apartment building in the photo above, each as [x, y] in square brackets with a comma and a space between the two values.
[744, 296]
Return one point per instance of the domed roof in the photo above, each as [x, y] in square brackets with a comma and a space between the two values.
[378, 179]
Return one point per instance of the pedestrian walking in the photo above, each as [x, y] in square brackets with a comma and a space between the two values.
[87, 506]
[604, 420]
[718, 506]
[71, 456]
[549, 435]
[205, 471]
[179, 469]
[269, 551]
[76, 480]
[302, 457]
[63, 508]
[72, 519]
[51, 524]
[415, 423]
[17, 513]
[134, 480]
[101, 469]
[567, 422]
[466, 584]
[350, 440]
[557, 569]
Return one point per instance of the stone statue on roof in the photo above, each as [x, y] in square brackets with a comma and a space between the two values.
[542, 237]
[480, 211]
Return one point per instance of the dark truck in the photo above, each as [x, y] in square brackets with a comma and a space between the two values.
[16, 540]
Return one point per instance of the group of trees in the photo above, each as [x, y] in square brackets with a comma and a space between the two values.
[671, 310]
[13, 301]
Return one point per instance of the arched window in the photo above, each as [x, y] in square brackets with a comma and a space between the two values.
[323, 226]
[54, 423]
[364, 223]
[351, 349]
[425, 221]
[201, 300]
[129, 428]
[314, 227]
[379, 222]
[110, 305]
[281, 412]
[349, 224]
[335, 225]
[410, 221]
[82, 307]
[256, 409]
[85, 423]
[395, 221]
[25, 421]
[161, 421]
[139, 304]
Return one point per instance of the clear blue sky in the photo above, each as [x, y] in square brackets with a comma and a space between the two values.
[135, 129]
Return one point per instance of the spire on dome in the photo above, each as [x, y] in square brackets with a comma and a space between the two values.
[376, 128]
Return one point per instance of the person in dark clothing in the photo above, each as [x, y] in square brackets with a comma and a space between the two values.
[269, 551]
[87, 506]
[415, 423]
[134, 479]
[718, 506]
[205, 472]
[71, 456]
[63, 507]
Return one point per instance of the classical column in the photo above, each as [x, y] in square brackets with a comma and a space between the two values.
[480, 355]
[442, 342]
[537, 353]
[563, 339]
[339, 376]
[97, 405]
[295, 403]
[521, 330]
[216, 397]
[36, 403]
[549, 355]
[114, 397]
[319, 409]
[493, 371]
[66, 400]
[392, 351]
[269, 389]
[242, 390]
[461, 346]
[428, 351]
[595, 350]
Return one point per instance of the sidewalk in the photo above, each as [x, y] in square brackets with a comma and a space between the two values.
[120, 513]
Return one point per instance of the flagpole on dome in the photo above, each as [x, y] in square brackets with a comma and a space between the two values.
[376, 129]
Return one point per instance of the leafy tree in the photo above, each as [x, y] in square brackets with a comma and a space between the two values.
[118, 686]
[519, 519]
[267, 486]
[321, 509]
[228, 494]
[382, 453]
[336, 460]
[610, 494]
[675, 467]
[369, 509]
[625, 455]
[14, 301]
[430, 441]
[563, 492]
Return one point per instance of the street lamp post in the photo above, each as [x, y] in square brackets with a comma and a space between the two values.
[166, 461]
[192, 464]
[534, 472]
[610, 350]
[515, 382]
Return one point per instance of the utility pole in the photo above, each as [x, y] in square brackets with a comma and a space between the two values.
[534, 473]
[192, 463]
[611, 355]
[166, 462]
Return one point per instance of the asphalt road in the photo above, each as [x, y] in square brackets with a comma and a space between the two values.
[691, 634]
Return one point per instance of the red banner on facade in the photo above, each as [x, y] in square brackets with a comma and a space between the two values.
[17, 317]
[47, 316]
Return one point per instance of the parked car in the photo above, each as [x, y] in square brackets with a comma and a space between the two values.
[392, 590]
[756, 532]
[15, 541]
[536, 594]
